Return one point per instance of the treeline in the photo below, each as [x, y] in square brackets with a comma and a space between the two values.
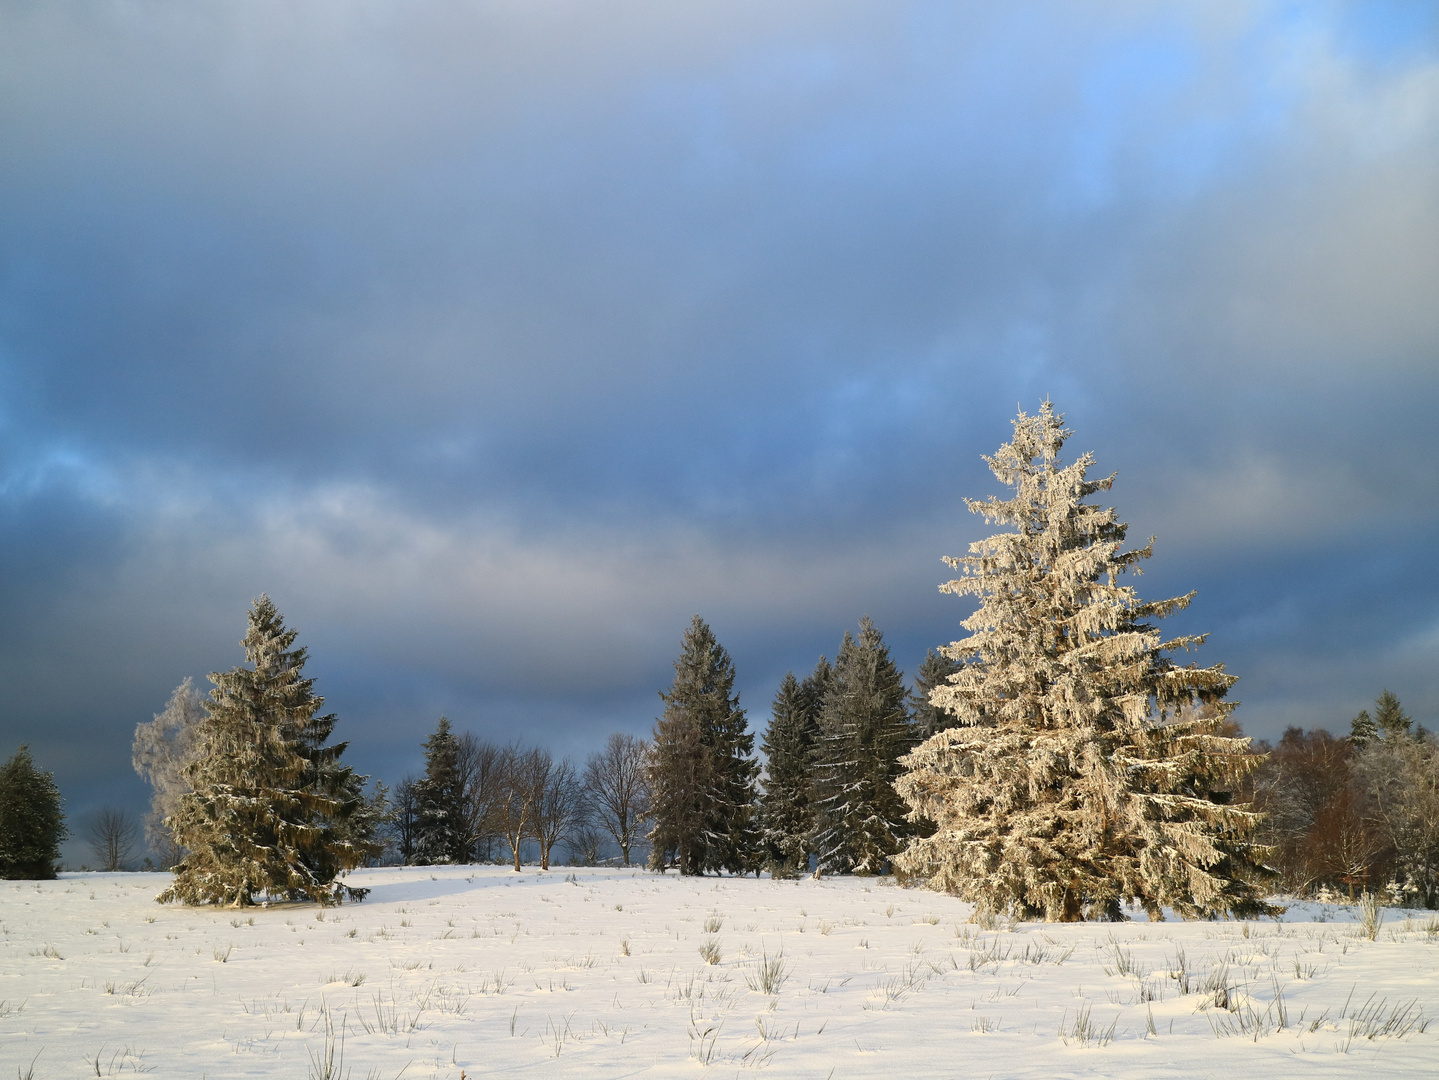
[1056, 763]
[476, 798]
[833, 750]
[1355, 813]
[696, 794]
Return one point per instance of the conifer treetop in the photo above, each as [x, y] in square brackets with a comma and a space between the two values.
[1079, 618]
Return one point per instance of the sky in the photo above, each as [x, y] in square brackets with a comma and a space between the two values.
[493, 340]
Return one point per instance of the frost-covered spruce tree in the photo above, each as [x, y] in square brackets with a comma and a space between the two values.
[264, 793]
[786, 812]
[1081, 774]
[440, 835]
[1363, 730]
[31, 822]
[702, 768]
[865, 728]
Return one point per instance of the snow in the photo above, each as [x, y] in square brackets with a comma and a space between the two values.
[599, 973]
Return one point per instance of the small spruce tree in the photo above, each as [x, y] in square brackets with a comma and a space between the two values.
[1085, 769]
[864, 729]
[439, 801]
[702, 768]
[1363, 730]
[786, 812]
[259, 818]
[31, 822]
[1390, 718]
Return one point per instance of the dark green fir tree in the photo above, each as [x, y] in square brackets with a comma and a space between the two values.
[439, 802]
[702, 769]
[31, 823]
[267, 796]
[865, 728]
[1390, 718]
[786, 803]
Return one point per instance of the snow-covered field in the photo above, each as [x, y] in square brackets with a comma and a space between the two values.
[478, 971]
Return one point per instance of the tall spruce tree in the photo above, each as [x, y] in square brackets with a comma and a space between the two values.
[1390, 719]
[265, 792]
[934, 672]
[786, 811]
[702, 768]
[31, 822]
[440, 833]
[864, 729]
[1081, 774]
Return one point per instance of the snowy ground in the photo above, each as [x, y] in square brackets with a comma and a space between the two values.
[452, 971]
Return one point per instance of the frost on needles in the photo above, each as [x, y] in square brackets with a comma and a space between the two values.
[1085, 768]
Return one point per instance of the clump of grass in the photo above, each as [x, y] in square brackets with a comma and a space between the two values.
[1085, 1030]
[389, 1018]
[713, 923]
[769, 974]
[711, 951]
[986, 918]
[1371, 915]
[1124, 962]
[1380, 1020]
[704, 1034]
[1037, 953]
[329, 1062]
[993, 954]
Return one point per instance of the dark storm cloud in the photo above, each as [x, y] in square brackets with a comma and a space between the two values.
[495, 339]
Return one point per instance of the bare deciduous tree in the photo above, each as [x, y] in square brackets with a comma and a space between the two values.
[161, 750]
[617, 791]
[584, 842]
[519, 784]
[407, 818]
[478, 764]
[111, 834]
[1401, 773]
[558, 809]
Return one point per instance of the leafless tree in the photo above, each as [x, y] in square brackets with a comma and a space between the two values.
[520, 773]
[478, 765]
[559, 808]
[617, 791]
[111, 835]
[406, 806]
[1401, 774]
[584, 842]
[161, 751]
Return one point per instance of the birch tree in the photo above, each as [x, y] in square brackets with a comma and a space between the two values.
[162, 750]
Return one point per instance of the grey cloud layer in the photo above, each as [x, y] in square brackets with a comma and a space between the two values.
[494, 339]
